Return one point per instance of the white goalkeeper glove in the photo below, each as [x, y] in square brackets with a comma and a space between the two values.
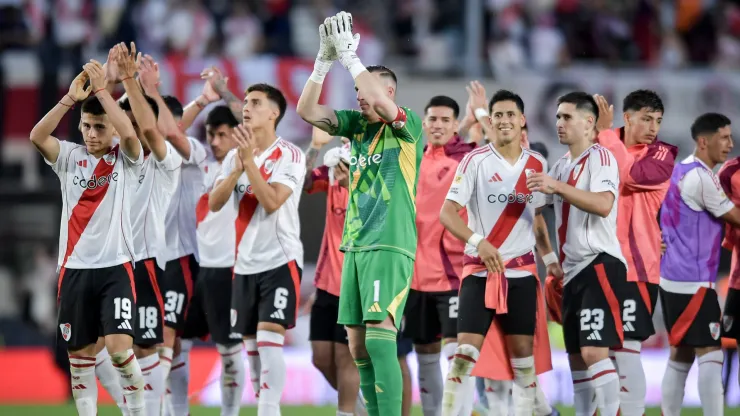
[326, 56]
[345, 43]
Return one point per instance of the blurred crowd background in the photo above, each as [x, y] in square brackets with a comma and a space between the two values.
[688, 50]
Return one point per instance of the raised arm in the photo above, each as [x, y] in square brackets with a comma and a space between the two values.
[345, 44]
[129, 142]
[308, 106]
[41, 137]
[207, 96]
[139, 106]
[319, 138]
[218, 82]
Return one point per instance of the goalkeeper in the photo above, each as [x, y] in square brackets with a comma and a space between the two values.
[379, 238]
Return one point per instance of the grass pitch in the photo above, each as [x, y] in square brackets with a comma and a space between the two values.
[69, 410]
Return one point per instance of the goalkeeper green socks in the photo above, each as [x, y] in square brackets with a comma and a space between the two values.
[367, 385]
[381, 346]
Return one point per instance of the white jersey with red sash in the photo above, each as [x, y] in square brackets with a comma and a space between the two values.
[581, 235]
[95, 229]
[267, 241]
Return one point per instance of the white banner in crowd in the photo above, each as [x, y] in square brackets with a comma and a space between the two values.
[304, 385]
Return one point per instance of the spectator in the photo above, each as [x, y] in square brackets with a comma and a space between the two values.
[242, 32]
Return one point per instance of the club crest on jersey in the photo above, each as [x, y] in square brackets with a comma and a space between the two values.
[269, 165]
[66, 331]
[110, 158]
[727, 322]
[233, 317]
[714, 330]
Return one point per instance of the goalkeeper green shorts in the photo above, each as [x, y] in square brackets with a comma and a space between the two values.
[374, 284]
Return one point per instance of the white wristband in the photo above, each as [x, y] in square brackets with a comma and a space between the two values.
[475, 239]
[550, 258]
[480, 113]
[352, 63]
[320, 69]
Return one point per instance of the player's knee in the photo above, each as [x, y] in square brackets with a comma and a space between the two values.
[682, 354]
[433, 348]
[118, 343]
[141, 351]
[470, 339]
[83, 351]
[322, 360]
[592, 355]
[520, 346]
[343, 358]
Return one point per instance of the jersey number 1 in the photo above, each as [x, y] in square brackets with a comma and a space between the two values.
[122, 308]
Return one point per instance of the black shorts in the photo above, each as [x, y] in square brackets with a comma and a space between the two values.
[732, 311]
[270, 296]
[404, 345]
[637, 300]
[196, 324]
[431, 316]
[149, 326]
[475, 318]
[216, 285]
[95, 302]
[692, 320]
[178, 285]
[591, 310]
[324, 313]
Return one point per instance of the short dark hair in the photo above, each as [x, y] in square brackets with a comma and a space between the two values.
[582, 101]
[273, 94]
[174, 105]
[221, 115]
[384, 72]
[506, 95]
[637, 100]
[125, 104]
[443, 101]
[91, 105]
[708, 123]
[539, 148]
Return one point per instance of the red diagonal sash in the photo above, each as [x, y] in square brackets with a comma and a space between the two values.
[89, 201]
[572, 180]
[248, 204]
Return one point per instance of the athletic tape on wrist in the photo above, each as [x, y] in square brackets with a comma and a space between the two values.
[320, 70]
[550, 258]
[475, 239]
[480, 113]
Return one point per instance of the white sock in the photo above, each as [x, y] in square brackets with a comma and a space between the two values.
[84, 386]
[468, 400]
[448, 351]
[526, 379]
[154, 388]
[344, 413]
[233, 377]
[541, 403]
[255, 365]
[430, 383]
[108, 377]
[498, 393]
[584, 394]
[272, 378]
[711, 390]
[631, 379]
[179, 381]
[131, 379]
[673, 387]
[165, 360]
[457, 381]
[605, 380]
[360, 408]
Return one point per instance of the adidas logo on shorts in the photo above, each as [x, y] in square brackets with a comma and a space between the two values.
[594, 336]
[149, 334]
[124, 325]
[171, 317]
[375, 308]
[278, 314]
[628, 327]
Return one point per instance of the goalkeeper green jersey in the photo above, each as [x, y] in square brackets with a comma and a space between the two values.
[384, 169]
